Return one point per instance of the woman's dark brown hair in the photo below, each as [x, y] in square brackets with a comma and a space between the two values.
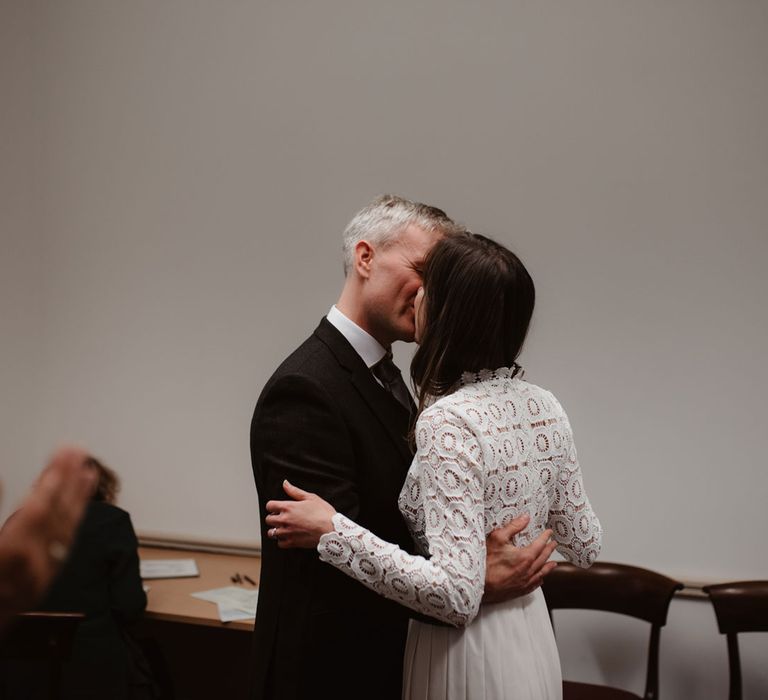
[478, 303]
[107, 484]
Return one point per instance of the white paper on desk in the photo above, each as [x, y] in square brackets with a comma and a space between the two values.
[168, 568]
[230, 615]
[234, 603]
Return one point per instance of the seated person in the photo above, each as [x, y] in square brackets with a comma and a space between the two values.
[101, 579]
[34, 541]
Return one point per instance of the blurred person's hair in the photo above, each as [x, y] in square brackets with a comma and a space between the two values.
[383, 220]
[107, 483]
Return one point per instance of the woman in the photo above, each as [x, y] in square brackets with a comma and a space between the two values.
[489, 447]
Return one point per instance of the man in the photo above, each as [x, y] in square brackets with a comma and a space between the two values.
[334, 420]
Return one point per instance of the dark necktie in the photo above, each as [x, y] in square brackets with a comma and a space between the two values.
[389, 375]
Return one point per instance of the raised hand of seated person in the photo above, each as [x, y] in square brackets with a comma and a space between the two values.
[34, 541]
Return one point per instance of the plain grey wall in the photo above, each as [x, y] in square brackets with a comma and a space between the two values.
[175, 177]
[21, 294]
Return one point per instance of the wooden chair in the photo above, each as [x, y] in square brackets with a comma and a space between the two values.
[739, 607]
[42, 636]
[617, 588]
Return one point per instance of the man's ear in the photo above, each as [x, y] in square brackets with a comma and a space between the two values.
[364, 253]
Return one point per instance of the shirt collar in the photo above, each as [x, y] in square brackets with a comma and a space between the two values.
[365, 345]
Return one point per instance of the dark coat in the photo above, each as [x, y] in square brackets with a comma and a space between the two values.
[101, 579]
[324, 423]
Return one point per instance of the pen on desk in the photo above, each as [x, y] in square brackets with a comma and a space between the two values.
[249, 579]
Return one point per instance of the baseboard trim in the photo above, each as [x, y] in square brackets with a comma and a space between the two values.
[166, 541]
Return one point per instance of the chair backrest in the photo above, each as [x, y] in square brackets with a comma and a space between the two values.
[741, 606]
[45, 637]
[41, 635]
[617, 588]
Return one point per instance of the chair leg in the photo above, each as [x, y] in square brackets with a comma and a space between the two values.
[734, 667]
[54, 679]
[652, 676]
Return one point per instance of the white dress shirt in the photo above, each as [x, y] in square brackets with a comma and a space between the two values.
[365, 345]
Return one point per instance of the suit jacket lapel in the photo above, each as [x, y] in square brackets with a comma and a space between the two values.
[387, 409]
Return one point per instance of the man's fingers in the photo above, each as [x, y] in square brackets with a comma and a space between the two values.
[545, 554]
[532, 587]
[538, 579]
[514, 527]
[543, 538]
[548, 568]
[537, 546]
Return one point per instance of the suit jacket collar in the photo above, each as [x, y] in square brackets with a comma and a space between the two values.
[387, 409]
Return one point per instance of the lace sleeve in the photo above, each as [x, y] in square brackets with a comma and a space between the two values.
[571, 518]
[445, 490]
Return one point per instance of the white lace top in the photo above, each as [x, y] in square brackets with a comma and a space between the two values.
[495, 448]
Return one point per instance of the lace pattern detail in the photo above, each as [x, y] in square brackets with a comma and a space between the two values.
[494, 449]
[485, 375]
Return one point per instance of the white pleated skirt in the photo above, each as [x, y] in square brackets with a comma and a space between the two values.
[508, 652]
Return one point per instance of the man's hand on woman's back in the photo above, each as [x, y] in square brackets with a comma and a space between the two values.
[511, 571]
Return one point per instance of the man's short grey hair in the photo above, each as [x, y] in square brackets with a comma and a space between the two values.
[383, 220]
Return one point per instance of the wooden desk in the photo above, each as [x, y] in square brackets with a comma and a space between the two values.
[170, 599]
[199, 656]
